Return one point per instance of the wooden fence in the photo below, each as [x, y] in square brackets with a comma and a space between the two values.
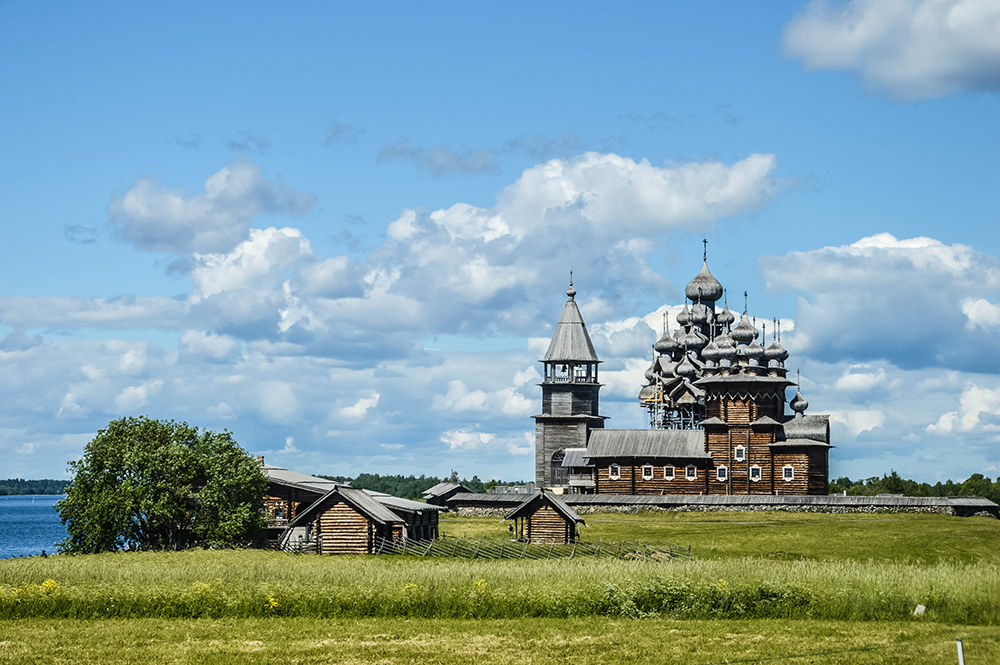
[470, 548]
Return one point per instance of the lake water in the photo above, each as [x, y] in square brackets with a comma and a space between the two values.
[28, 525]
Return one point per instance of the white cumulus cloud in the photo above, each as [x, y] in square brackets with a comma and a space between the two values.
[913, 49]
[883, 297]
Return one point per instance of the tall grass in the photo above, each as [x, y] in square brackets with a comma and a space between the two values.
[241, 584]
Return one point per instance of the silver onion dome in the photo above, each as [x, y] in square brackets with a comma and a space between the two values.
[712, 352]
[685, 368]
[799, 403]
[694, 339]
[700, 314]
[725, 317]
[666, 343]
[704, 286]
[775, 351]
[744, 332]
[651, 373]
[684, 318]
[726, 346]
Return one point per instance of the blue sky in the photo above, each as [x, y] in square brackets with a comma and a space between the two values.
[343, 232]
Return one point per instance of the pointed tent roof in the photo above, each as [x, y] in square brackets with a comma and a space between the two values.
[532, 503]
[571, 341]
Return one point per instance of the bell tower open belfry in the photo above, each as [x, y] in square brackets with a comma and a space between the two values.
[570, 394]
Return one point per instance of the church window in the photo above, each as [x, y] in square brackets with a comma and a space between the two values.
[721, 474]
[668, 473]
[615, 472]
[755, 473]
[788, 473]
[647, 472]
[691, 472]
[740, 454]
[560, 474]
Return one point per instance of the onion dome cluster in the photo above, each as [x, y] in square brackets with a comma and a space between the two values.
[706, 342]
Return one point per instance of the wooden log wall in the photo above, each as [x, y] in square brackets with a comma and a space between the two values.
[632, 481]
[799, 460]
[342, 530]
[546, 525]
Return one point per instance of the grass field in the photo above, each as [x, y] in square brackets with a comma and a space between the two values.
[912, 538]
[501, 642]
[762, 585]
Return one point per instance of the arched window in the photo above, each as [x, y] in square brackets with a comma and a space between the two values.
[740, 454]
[560, 474]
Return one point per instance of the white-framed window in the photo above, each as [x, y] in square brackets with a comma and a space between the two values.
[788, 473]
[691, 472]
[721, 473]
[615, 472]
[647, 472]
[740, 454]
[755, 473]
[668, 473]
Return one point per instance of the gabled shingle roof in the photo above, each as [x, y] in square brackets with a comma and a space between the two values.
[357, 499]
[646, 443]
[532, 503]
[444, 487]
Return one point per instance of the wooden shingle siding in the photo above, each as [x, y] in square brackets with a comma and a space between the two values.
[342, 530]
[546, 525]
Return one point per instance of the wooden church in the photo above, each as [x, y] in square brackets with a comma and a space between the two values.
[715, 399]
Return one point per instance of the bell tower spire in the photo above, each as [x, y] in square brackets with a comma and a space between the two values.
[570, 394]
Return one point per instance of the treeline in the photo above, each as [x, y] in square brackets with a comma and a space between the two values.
[409, 487]
[976, 485]
[14, 486]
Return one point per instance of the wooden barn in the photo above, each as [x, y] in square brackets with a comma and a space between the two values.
[715, 399]
[343, 521]
[311, 514]
[545, 518]
[440, 493]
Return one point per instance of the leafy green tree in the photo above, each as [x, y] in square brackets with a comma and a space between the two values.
[155, 485]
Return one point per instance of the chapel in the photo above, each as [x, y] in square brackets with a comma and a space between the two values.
[714, 398]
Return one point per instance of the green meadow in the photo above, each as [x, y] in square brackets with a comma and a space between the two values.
[831, 588]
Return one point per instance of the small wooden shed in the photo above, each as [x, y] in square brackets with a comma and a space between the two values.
[545, 518]
[343, 521]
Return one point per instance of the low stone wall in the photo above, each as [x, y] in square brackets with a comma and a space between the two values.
[477, 511]
[938, 510]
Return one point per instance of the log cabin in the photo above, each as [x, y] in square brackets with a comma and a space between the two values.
[715, 403]
[544, 518]
[439, 494]
[317, 515]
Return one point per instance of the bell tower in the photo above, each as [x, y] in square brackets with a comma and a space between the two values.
[570, 394]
